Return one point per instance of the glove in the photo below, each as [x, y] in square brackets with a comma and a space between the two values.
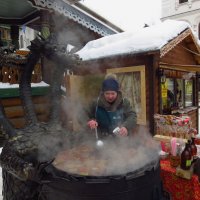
[92, 124]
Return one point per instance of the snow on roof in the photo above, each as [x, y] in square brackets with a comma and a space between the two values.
[8, 85]
[143, 40]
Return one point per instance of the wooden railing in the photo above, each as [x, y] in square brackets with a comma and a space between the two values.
[12, 74]
[12, 66]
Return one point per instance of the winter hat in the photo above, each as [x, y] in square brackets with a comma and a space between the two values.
[110, 84]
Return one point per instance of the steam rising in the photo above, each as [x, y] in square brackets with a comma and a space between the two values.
[131, 154]
[118, 155]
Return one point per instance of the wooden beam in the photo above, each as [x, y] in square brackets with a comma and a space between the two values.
[197, 58]
[11, 21]
[32, 17]
[21, 21]
[154, 99]
[177, 67]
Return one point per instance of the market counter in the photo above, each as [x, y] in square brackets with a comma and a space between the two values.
[179, 188]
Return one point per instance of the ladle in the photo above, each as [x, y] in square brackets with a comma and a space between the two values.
[99, 143]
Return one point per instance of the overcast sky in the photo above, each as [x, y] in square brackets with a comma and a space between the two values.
[127, 14]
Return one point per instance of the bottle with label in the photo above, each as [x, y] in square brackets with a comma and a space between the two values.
[193, 147]
[190, 147]
[186, 158]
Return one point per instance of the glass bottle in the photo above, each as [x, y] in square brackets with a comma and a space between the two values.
[193, 147]
[190, 147]
[186, 158]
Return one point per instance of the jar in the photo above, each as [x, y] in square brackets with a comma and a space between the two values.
[174, 160]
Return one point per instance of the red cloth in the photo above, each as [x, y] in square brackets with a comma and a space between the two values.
[179, 188]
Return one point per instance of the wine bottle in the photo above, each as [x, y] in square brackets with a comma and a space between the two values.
[193, 147]
[186, 157]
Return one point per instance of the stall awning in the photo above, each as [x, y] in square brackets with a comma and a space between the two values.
[183, 68]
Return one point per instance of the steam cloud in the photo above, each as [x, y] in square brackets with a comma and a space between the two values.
[123, 154]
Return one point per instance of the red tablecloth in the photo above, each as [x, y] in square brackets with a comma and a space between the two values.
[179, 188]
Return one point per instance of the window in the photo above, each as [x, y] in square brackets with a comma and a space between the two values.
[183, 1]
[132, 83]
[179, 93]
[176, 94]
[188, 93]
[168, 95]
[5, 34]
[21, 41]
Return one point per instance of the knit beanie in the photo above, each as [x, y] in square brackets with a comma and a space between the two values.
[110, 84]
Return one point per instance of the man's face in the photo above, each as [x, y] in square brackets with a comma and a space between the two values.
[110, 96]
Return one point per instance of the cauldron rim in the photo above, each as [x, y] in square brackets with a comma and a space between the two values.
[57, 173]
[148, 186]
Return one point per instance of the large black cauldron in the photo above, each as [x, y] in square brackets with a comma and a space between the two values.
[143, 184]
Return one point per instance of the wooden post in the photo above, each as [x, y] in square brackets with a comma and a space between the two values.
[154, 97]
[197, 88]
[14, 34]
[45, 33]
[45, 23]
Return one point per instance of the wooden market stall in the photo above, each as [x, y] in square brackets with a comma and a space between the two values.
[159, 81]
[147, 72]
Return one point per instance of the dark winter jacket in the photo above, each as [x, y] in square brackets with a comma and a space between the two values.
[109, 116]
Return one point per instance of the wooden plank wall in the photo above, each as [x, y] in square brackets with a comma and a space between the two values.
[14, 111]
[129, 61]
[179, 55]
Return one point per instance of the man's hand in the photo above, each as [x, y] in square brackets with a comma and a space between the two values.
[123, 132]
[92, 124]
